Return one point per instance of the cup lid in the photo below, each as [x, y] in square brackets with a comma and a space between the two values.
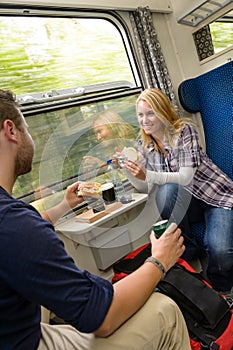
[160, 223]
[107, 186]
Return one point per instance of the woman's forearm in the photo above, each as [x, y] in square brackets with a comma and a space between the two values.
[183, 177]
[140, 185]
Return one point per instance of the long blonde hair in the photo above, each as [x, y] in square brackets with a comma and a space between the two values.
[165, 111]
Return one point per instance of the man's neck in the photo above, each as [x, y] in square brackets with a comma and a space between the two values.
[7, 184]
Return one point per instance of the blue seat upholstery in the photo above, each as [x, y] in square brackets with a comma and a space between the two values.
[211, 94]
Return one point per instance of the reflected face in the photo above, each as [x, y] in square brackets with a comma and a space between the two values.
[23, 162]
[102, 132]
[147, 119]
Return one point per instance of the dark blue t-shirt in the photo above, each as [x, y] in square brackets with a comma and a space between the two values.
[36, 270]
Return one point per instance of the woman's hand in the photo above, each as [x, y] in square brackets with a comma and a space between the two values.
[169, 247]
[136, 169]
[115, 157]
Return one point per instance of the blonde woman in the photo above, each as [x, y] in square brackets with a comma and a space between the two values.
[190, 187]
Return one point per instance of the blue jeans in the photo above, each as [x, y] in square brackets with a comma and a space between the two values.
[178, 205]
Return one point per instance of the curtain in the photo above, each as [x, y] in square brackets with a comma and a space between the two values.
[150, 53]
[203, 42]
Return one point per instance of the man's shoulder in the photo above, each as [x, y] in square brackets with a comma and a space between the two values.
[22, 225]
[7, 202]
[17, 215]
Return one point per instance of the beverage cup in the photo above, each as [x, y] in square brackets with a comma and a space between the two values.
[108, 193]
[159, 227]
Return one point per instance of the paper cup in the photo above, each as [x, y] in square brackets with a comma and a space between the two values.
[108, 193]
[159, 227]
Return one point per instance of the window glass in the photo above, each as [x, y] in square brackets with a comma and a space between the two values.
[46, 60]
[214, 37]
[64, 137]
[222, 35]
[51, 53]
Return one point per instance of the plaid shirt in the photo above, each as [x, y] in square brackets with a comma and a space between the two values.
[209, 184]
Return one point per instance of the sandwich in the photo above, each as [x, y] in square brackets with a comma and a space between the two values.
[130, 153]
[89, 189]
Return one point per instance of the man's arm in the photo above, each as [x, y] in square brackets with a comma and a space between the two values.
[133, 291]
[70, 201]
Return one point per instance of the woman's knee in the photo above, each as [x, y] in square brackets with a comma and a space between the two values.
[166, 195]
[167, 190]
[221, 256]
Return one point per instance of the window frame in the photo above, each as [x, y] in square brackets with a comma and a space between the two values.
[111, 16]
[92, 93]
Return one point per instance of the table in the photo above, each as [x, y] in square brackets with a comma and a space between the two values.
[97, 246]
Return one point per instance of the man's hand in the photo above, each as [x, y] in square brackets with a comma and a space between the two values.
[71, 196]
[169, 247]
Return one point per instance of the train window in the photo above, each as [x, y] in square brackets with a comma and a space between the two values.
[214, 37]
[63, 137]
[37, 56]
[222, 32]
[62, 78]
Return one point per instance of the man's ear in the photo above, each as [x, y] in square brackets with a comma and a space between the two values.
[10, 130]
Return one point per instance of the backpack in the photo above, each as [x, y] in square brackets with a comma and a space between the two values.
[208, 314]
[131, 262]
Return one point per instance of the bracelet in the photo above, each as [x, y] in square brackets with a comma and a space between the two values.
[158, 264]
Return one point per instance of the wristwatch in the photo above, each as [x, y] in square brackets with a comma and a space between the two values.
[158, 264]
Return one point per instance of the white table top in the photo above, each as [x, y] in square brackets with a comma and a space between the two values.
[73, 227]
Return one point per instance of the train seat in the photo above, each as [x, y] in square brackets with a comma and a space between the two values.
[211, 94]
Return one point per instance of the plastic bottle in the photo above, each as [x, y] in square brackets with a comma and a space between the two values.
[116, 180]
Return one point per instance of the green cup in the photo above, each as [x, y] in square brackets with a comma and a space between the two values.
[159, 227]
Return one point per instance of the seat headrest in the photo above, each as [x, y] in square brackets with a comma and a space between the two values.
[189, 96]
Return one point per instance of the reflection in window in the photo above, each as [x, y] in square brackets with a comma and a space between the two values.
[44, 54]
[63, 137]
